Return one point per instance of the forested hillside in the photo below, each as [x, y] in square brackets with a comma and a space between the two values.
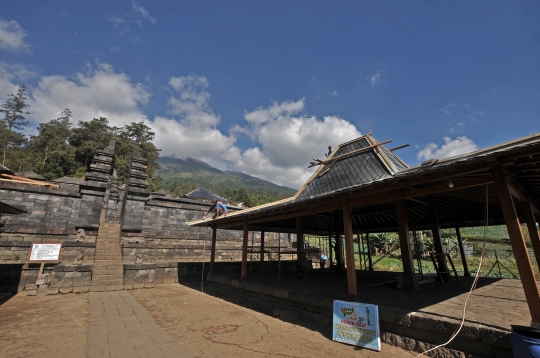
[181, 176]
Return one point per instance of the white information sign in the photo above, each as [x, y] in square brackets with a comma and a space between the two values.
[45, 252]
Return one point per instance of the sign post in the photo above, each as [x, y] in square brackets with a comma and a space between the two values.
[357, 324]
[43, 252]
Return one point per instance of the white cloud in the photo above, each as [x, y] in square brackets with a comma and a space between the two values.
[141, 13]
[12, 36]
[288, 142]
[374, 79]
[102, 92]
[449, 108]
[450, 148]
[285, 140]
[333, 93]
[9, 74]
[475, 117]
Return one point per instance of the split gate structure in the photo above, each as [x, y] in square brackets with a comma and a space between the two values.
[364, 187]
[113, 236]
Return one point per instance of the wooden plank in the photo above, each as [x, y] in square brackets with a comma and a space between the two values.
[466, 272]
[375, 145]
[262, 249]
[243, 273]
[406, 193]
[349, 249]
[520, 193]
[29, 182]
[301, 211]
[300, 250]
[437, 239]
[533, 230]
[410, 281]
[518, 244]
[213, 249]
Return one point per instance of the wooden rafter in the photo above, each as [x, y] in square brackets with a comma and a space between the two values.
[23, 180]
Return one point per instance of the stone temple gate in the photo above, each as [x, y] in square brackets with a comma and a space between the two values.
[112, 237]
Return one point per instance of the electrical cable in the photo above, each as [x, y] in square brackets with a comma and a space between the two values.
[475, 282]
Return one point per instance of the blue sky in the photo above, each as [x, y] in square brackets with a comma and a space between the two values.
[264, 86]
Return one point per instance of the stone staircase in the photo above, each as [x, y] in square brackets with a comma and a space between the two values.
[108, 271]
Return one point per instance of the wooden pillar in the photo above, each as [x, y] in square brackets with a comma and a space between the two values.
[213, 249]
[409, 277]
[533, 231]
[300, 249]
[466, 272]
[330, 253]
[437, 239]
[370, 261]
[244, 250]
[338, 248]
[349, 248]
[518, 244]
[262, 249]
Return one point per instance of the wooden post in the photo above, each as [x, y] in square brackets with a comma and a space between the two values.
[338, 248]
[349, 248]
[370, 261]
[409, 277]
[262, 249]
[359, 238]
[244, 251]
[466, 272]
[533, 231]
[213, 249]
[330, 253]
[518, 244]
[437, 239]
[300, 250]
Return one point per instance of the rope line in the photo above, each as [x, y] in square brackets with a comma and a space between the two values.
[475, 282]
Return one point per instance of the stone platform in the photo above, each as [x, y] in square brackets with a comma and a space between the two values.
[413, 320]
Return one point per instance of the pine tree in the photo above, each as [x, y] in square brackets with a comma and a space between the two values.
[14, 110]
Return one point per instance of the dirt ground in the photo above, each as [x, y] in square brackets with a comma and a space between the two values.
[48, 326]
[202, 326]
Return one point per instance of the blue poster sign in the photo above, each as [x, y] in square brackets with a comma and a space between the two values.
[356, 323]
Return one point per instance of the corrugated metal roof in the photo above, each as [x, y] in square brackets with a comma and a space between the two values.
[341, 171]
[205, 194]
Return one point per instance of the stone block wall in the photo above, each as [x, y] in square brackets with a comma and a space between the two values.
[70, 278]
[148, 275]
[412, 331]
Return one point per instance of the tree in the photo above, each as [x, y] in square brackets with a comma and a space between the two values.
[138, 132]
[54, 157]
[88, 137]
[135, 134]
[14, 110]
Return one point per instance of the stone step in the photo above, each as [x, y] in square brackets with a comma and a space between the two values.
[107, 281]
[106, 271]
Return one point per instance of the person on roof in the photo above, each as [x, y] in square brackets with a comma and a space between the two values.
[218, 208]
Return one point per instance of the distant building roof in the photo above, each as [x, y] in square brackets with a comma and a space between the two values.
[5, 170]
[160, 192]
[30, 174]
[69, 180]
[204, 194]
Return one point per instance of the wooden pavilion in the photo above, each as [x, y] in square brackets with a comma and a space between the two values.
[364, 187]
